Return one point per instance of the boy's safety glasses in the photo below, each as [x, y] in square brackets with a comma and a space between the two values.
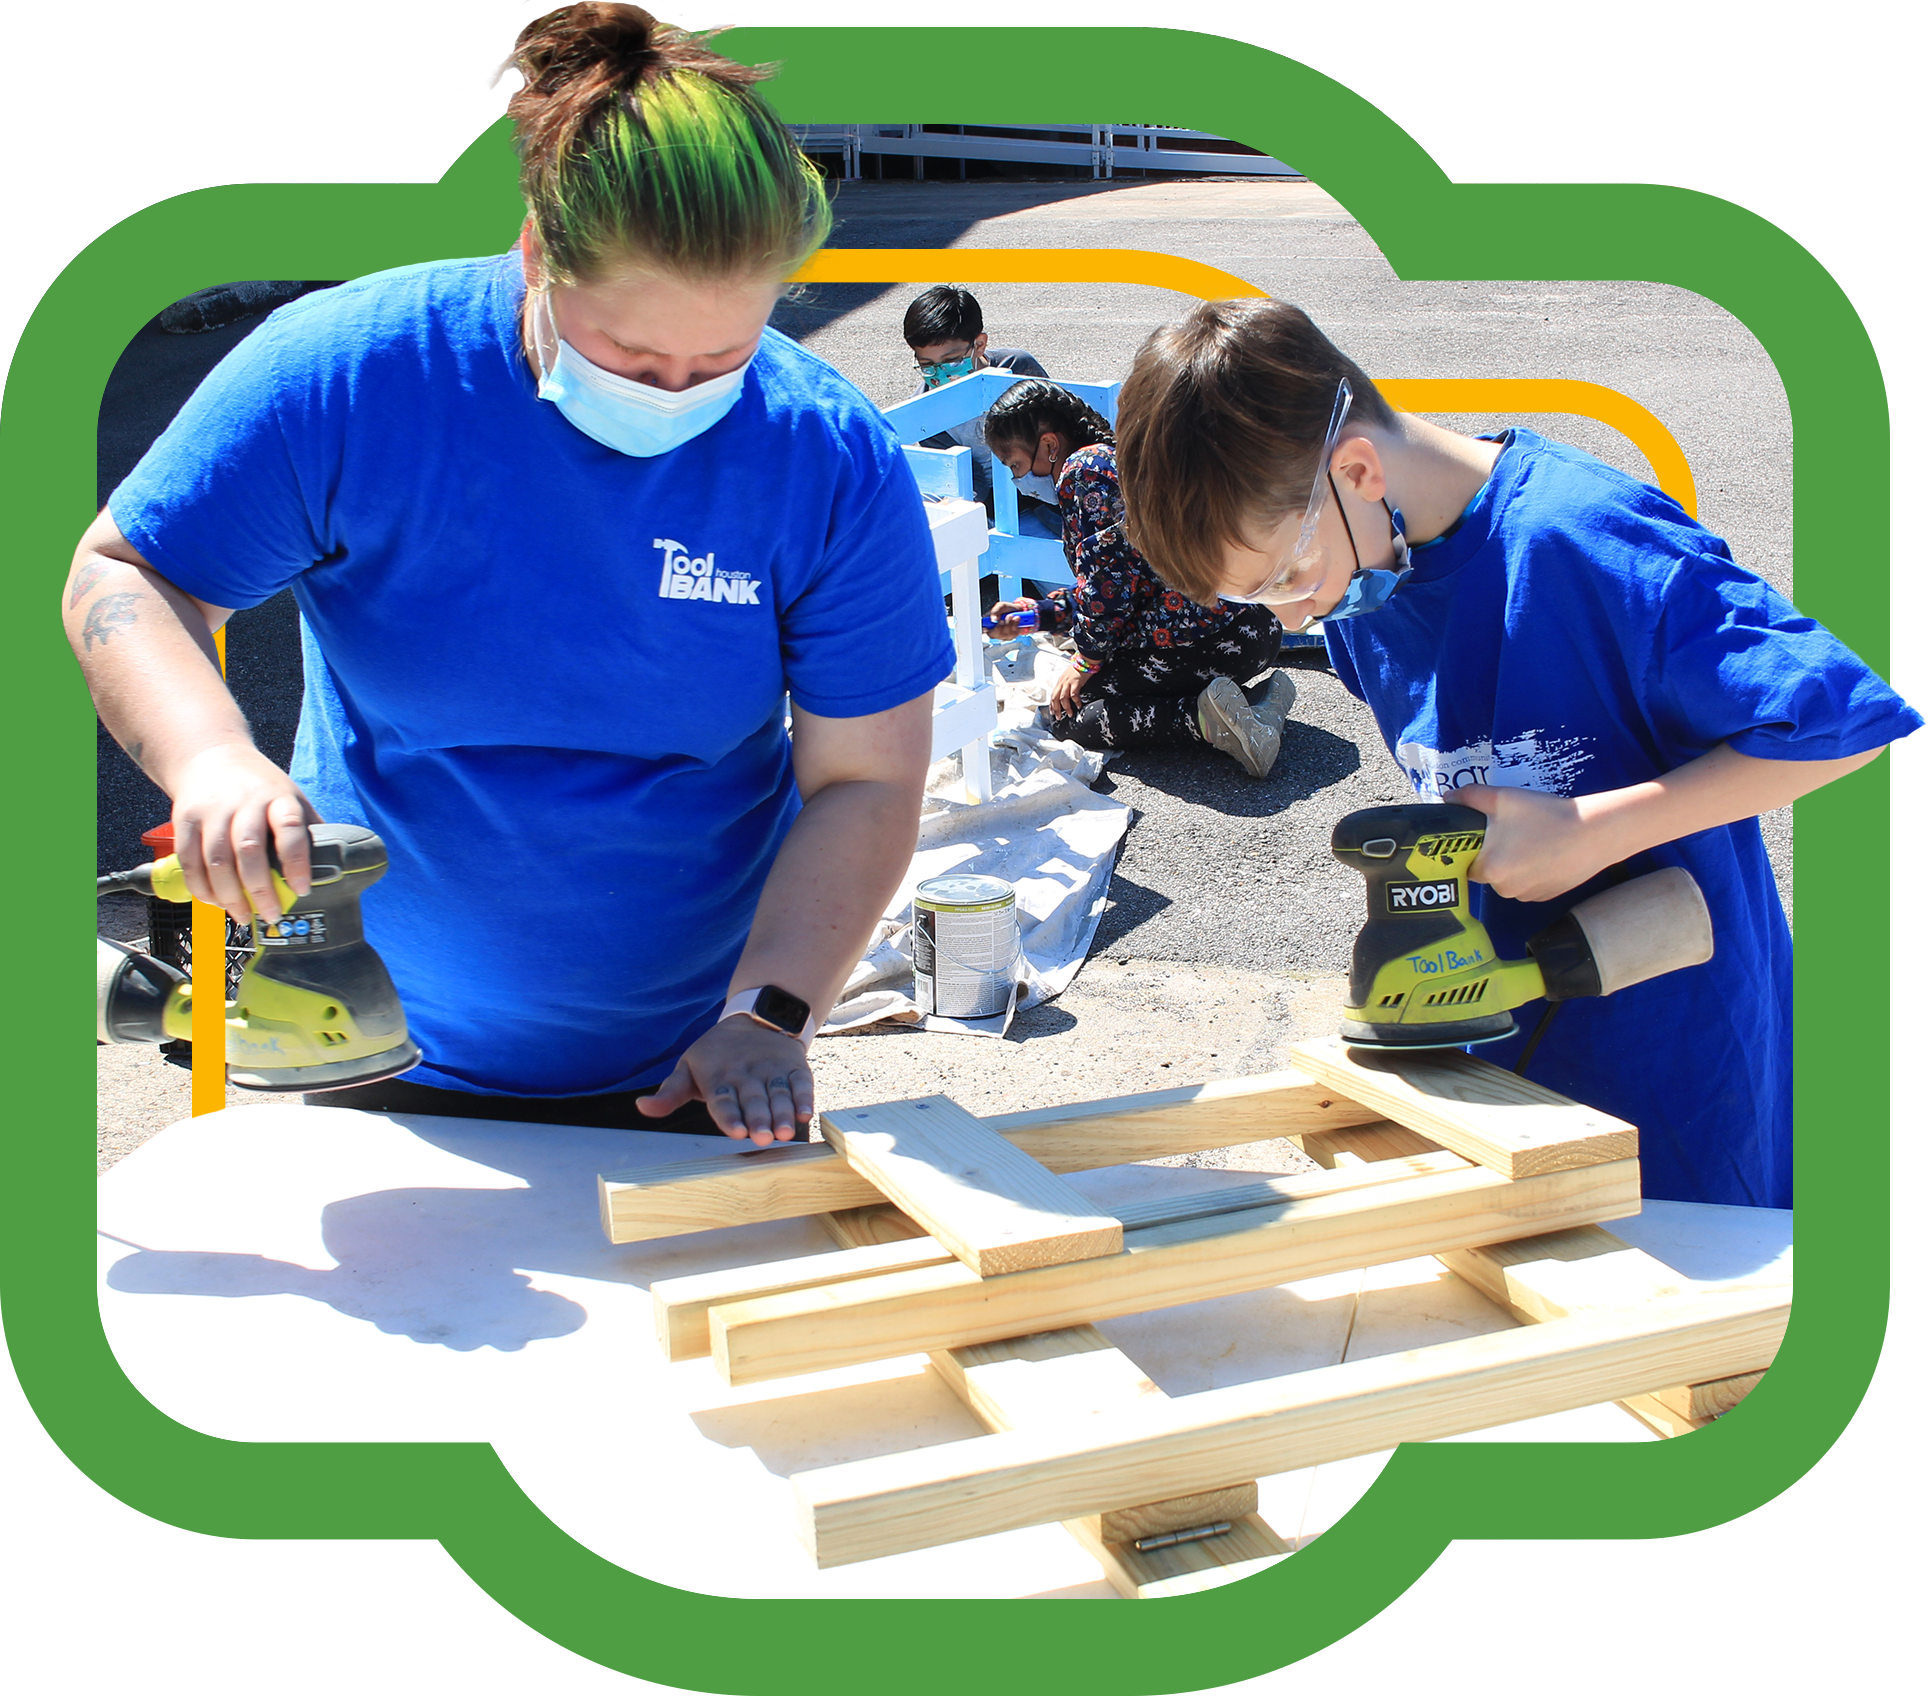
[1287, 585]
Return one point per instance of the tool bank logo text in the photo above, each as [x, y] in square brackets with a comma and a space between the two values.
[687, 578]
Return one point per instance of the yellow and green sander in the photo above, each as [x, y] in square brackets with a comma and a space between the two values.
[314, 1010]
[1426, 975]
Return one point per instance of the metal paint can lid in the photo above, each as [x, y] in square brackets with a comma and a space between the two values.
[965, 892]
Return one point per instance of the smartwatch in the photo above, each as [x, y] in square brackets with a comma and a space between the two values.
[776, 1008]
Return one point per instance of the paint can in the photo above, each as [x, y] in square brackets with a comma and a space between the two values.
[964, 945]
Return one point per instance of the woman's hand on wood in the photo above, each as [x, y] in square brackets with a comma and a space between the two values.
[755, 1081]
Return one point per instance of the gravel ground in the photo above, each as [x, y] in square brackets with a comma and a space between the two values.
[1230, 920]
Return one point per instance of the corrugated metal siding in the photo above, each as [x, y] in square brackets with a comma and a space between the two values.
[332, 72]
[112, 87]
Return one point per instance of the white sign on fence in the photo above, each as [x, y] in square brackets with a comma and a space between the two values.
[1707, 114]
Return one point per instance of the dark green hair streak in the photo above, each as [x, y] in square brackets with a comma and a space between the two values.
[642, 149]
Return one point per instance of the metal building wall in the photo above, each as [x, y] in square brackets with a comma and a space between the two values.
[114, 87]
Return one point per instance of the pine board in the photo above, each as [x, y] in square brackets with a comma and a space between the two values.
[891, 1504]
[1514, 1126]
[683, 1305]
[789, 1181]
[1589, 1270]
[993, 1206]
[898, 1313]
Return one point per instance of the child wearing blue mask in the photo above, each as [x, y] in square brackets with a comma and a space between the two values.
[1545, 639]
[944, 329]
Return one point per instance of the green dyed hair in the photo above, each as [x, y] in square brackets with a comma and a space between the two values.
[642, 149]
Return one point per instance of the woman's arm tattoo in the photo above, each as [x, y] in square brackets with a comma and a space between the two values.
[108, 614]
[84, 579]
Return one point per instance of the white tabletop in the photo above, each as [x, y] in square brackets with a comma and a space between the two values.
[298, 1274]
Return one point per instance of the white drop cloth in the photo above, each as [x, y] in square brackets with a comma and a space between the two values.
[1043, 831]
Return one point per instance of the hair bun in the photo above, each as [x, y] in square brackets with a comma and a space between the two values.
[625, 37]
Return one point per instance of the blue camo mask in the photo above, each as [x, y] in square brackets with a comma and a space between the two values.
[1370, 590]
[631, 417]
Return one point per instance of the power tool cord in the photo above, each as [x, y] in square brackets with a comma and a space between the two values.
[1533, 1042]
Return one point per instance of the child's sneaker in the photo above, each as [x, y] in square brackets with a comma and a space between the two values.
[1232, 727]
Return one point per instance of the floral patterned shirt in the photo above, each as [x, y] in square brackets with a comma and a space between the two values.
[1118, 604]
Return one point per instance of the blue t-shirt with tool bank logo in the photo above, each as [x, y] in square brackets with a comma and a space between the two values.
[1577, 632]
[549, 675]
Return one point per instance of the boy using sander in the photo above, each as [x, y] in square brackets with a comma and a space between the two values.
[1545, 640]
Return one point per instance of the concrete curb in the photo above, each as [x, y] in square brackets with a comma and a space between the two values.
[211, 309]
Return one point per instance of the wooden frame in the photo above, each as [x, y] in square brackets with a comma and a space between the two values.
[1075, 1431]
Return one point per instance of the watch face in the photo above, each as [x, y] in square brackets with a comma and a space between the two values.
[780, 1008]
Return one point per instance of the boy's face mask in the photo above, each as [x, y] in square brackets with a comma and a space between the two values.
[936, 376]
[1370, 590]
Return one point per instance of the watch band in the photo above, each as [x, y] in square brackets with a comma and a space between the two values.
[745, 1002]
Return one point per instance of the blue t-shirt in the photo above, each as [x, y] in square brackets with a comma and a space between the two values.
[1577, 632]
[549, 675]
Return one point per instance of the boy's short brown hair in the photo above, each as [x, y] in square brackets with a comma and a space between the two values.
[1220, 425]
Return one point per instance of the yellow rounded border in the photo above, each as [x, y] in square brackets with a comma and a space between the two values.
[1186, 276]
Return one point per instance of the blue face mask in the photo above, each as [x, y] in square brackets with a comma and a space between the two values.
[630, 417]
[1370, 590]
[936, 376]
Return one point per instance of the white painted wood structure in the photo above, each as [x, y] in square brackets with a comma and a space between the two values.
[969, 544]
[964, 714]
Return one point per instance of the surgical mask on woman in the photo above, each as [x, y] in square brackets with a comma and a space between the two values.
[631, 417]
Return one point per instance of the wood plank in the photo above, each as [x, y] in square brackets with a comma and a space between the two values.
[1560, 1273]
[1055, 1375]
[1185, 1568]
[1383, 1141]
[1702, 1402]
[683, 1304]
[1047, 1375]
[27, 1681]
[937, 1307]
[1508, 1123]
[1589, 1270]
[988, 1202]
[1029, 1380]
[787, 1182]
[895, 1503]
[881, 1222]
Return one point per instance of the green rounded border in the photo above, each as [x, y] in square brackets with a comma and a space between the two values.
[459, 1493]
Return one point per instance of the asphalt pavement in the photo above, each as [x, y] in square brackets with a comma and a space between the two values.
[1220, 874]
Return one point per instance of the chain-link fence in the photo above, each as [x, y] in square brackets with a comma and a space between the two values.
[1626, 97]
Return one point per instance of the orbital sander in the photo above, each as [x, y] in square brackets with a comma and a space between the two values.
[314, 1010]
[1426, 975]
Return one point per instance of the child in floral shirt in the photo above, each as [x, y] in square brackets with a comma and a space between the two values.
[1153, 669]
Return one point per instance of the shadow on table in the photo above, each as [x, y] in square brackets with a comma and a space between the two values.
[446, 1266]
[432, 1265]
